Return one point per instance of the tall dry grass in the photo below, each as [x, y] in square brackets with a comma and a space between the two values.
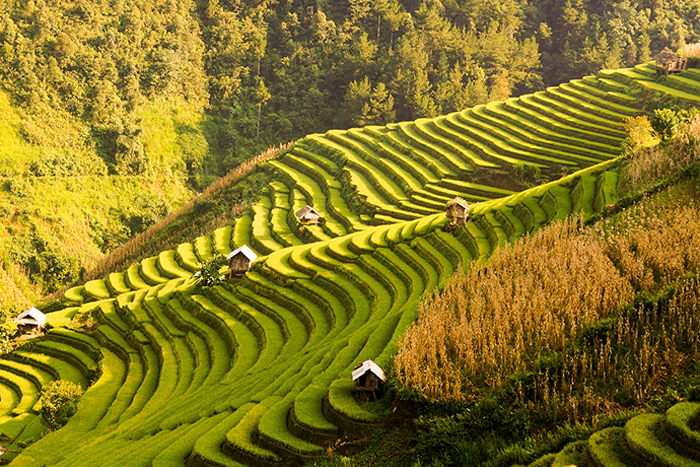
[546, 300]
[690, 50]
[646, 166]
[532, 299]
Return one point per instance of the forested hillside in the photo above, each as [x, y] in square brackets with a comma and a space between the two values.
[116, 112]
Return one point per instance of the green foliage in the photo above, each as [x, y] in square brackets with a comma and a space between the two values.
[668, 122]
[8, 330]
[208, 274]
[639, 132]
[59, 402]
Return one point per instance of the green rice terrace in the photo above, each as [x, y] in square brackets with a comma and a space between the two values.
[257, 372]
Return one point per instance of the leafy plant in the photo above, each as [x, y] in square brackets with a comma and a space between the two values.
[209, 273]
[58, 402]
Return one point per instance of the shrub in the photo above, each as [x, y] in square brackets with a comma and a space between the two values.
[59, 401]
[208, 274]
[668, 122]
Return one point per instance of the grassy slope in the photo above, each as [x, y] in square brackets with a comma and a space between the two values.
[173, 356]
[58, 200]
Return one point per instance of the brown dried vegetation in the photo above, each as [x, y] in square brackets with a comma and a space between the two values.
[550, 320]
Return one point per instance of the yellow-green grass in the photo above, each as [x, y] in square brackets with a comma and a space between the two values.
[312, 191]
[26, 388]
[326, 164]
[583, 195]
[317, 322]
[279, 262]
[116, 283]
[96, 289]
[379, 189]
[473, 134]
[150, 272]
[8, 401]
[404, 179]
[241, 231]
[580, 100]
[58, 367]
[207, 448]
[169, 267]
[395, 140]
[133, 277]
[542, 101]
[678, 423]
[408, 132]
[186, 257]
[180, 443]
[69, 353]
[280, 228]
[62, 317]
[595, 96]
[216, 362]
[222, 240]
[528, 135]
[525, 109]
[453, 141]
[608, 448]
[262, 238]
[127, 389]
[511, 114]
[397, 161]
[203, 248]
[246, 345]
[272, 428]
[592, 85]
[338, 248]
[241, 435]
[300, 262]
[642, 435]
[268, 333]
[505, 143]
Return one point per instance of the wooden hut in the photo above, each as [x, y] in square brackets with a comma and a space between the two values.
[240, 260]
[369, 380]
[457, 211]
[308, 215]
[30, 323]
[669, 62]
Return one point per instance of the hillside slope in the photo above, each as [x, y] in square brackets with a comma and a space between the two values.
[257, 371]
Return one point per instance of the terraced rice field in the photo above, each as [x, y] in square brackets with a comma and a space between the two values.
[257, 372]
[671, 439]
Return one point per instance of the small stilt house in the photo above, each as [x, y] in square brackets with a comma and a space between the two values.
[669, 62]
[457, 211]
[369, 380]
[240, 261]
[30, 323]
[308, 215]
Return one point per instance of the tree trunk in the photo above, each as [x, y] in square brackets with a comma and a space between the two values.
[257, 129]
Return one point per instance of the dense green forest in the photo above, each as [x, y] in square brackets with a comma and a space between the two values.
[118, 111]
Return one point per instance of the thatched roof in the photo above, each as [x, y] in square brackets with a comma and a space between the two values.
[457, 202]
[305, 210]
[32, 316]
[364, 367]
[666, 57]
[245, 251]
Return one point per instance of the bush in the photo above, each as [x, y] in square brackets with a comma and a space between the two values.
[208, 274]
[59, 402]
[667, 122]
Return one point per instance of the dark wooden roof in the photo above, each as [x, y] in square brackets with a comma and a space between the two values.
[458, 202]
[305, 210]
[670, 61]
